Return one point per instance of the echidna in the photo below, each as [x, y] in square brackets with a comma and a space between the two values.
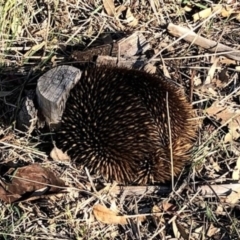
[116, 123]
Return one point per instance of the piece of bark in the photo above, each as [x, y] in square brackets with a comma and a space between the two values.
[133, 45]
[125, 48]
[212, 46]
[27, 116]
[53, 89]
[89, 54]
[133, 62]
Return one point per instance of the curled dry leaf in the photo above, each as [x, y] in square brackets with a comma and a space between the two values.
[28, 180]
[105, 215]
[58, 155]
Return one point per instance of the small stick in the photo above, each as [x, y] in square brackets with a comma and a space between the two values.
[212, 46]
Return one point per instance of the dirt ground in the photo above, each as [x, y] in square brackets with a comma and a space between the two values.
[196, 44]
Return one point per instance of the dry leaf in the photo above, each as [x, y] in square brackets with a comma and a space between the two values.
[107, 216]
[109, 7]
[156, 211]
[28, 180]
[227, 11]
[233, 134]
[182, 231]
[150, 68]
[131, 20]
[7, 196]
[233, 198]
[168, 206]
[216, 108]
[212, 230]
[227, 61]
[58, 155]
[226, 114]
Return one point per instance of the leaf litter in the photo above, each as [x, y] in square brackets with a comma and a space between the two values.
[41, 36]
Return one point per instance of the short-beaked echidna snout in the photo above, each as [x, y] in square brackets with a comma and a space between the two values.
[116, 123]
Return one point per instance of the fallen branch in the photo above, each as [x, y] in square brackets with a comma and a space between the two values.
[210, 45]
[205, 190]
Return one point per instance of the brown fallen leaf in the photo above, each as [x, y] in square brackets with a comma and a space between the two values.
[28, 180]
[227, 114]
[105, 215]
[168, 207]
[8, 197]
[182, 230]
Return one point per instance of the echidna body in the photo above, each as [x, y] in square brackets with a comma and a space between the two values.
[116, 123]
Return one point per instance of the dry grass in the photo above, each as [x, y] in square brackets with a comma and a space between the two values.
[37, 35]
